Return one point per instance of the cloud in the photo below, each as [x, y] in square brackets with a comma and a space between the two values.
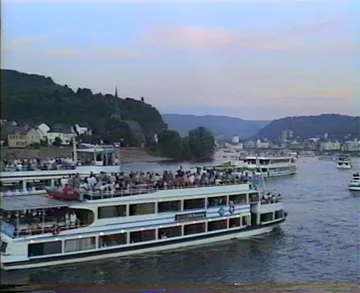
[197, 38]
[122, 53]
[23, 41]
[62, 53]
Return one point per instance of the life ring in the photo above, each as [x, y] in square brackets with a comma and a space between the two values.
[232, 209]
[55, 230]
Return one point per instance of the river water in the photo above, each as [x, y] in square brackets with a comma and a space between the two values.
[319, 243]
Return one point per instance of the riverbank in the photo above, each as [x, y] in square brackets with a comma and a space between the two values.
[127, 155]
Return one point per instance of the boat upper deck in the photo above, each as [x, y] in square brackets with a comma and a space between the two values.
[31, 202]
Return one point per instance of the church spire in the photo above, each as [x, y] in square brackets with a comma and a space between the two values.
[116, 115]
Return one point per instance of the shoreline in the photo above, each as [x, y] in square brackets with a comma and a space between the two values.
[126, 155]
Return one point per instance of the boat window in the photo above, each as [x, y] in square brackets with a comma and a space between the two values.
[80, 244]
[40, 221]
[194, 204]
[217, 201]
[45, 248]
[254, 197]
[279, 214]
[237, 198]
[142, 209]
[245, 220]
[112, 212]
[234, 222]
[141, 236]
[169, 232]
[113, 240]
[217, 225]
[267, 217]
[169, 206]
[3, 246]
[194, 228]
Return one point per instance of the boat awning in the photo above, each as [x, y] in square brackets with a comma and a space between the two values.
[30, 202]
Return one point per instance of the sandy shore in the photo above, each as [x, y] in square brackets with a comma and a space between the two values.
[127, 155]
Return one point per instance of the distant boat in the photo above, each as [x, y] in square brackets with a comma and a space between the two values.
[354, 184]
[326, 157]
[343, 163]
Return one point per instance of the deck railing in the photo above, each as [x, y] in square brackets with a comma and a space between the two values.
[145, 189]
[38, 168]
[43, 228]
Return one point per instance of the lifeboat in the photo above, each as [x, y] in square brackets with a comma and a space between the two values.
[66, 194]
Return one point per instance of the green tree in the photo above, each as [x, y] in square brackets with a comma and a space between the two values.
[170, 144]
[201, 143]
[57, 142]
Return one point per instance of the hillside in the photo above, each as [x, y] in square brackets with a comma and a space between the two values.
[336, 126]
[35, 99]
[223, 126]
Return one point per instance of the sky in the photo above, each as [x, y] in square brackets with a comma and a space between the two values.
[253, 60]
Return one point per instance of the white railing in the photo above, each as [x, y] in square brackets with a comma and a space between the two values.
[144, 189]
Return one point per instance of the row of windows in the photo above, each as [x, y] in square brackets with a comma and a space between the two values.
[89, 243]
[169, 206]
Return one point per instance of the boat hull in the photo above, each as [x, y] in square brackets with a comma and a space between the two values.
[354, 188]
[347, 167]
[277, 173]
[160, 245]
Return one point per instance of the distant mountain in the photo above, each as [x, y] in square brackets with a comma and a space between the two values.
[223, 126]
[335, 125]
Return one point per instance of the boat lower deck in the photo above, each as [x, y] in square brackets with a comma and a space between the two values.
[142, 247]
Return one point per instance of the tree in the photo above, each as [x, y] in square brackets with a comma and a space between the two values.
[170, 144]
[201, 143]
[57, 141]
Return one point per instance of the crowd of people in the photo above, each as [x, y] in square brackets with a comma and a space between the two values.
[270, 198]
[140, 182]
[35, 164]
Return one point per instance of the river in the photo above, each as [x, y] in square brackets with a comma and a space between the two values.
[319, 243]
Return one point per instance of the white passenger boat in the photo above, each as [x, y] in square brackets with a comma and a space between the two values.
[343, 163]
[354, 184]
[271, 166]
[32, 180]
[39, 231]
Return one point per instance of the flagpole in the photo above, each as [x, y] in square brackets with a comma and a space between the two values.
[261, 174]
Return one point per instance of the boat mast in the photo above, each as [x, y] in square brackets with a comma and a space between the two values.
[74, 148]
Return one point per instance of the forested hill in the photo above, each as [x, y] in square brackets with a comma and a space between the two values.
[220, 126]
[336, 126]
[35, 99]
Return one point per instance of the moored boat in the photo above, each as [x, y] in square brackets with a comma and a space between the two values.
[149, 213]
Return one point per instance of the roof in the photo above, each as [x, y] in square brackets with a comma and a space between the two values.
[61, 128]
[28, 202]
[16, 129]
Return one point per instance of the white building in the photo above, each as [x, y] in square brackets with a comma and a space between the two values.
[262, 144]
[351, 146]
[330, 146]
[235, 139]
